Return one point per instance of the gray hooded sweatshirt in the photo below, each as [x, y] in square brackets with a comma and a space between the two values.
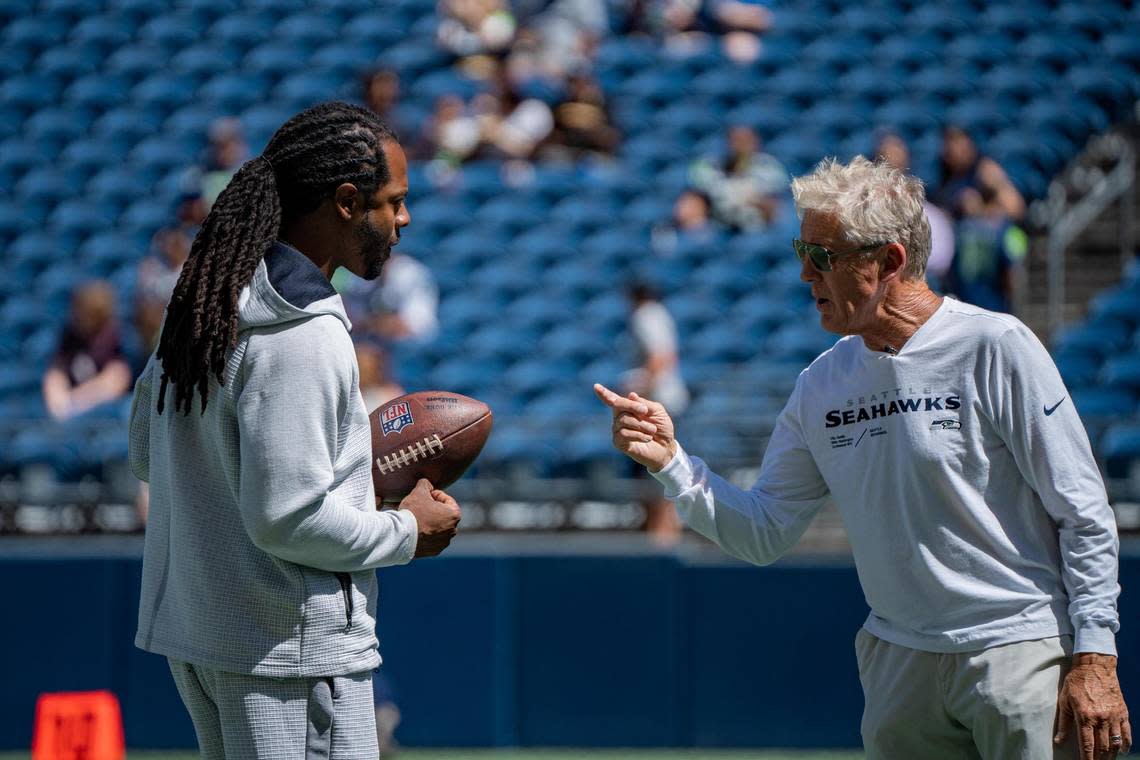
[263, 532]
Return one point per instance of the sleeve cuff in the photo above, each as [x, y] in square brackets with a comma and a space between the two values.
[1096, 639]
[677, 476]
[412, 527]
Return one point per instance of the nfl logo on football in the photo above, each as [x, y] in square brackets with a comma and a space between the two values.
[396, 417]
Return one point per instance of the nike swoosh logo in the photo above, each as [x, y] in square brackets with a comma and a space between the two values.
[1050, 409]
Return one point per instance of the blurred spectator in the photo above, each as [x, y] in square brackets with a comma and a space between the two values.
[475, 27]
[225, 154]
[192, 207]
[401, 305]
[157, 275]
[691, 224]
[677, 24]
[566, 35]
[963, 167]
[512, 126]
[746, 186]
[381, 89]
[89, 368]
[377, 385]
[582, 123]
[990, 251]
[656, 376]
[892, 149]
[406, 302]
[451, 134]
[741, 23]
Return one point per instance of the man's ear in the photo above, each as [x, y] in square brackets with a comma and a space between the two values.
[894, 262]
[346, 198]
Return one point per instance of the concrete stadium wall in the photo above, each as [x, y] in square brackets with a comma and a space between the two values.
[516, 650]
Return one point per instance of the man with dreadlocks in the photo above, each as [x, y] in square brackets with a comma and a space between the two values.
[258, 572]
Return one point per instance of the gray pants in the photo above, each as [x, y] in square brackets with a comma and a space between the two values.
[244, 717]
[997, 704]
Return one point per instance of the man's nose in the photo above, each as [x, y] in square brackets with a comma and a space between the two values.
[808, 272]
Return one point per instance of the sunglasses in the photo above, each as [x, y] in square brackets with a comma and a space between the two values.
[821, 257]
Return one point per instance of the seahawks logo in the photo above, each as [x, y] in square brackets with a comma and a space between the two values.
[946, 425]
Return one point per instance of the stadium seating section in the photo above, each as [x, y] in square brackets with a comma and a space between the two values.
[104, 103]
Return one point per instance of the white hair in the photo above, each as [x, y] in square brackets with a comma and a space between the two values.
[874, 203]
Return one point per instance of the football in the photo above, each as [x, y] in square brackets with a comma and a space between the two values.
[427, 434]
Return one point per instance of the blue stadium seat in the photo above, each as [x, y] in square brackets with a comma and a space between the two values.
[907, 51]
[162, 153]
[128, 124]
[30, 91]
[1101, 407]
[579, 276]
[501, 342]
[1091, 21]
[580, 344]
[504, 275]
[348, 60]
[308, 30]
[172, 31]
[1122, 372]
[1022, 82]
[1107, 84]
[505, 216]
[1058, 51]
[166, 90]
[1101, 338]
[135, 62]
[982, 48]
[532, 376]
[769, 115]
[1123, 47]
[203, 61]
[12, 220]
[138, 10]
[726, 85]
[105, 32]
[233, 92]
[413, 57]
[1120, 448]
[18, 155]
[23, 314]
[943, 20]
[68, 63]
[58, 125]
[72, 10]
[376, 25]
[467, 376]
[1078, 368]
[98, 92]
[1012, 19]
[946, 82]
[243, 29]
[36, 32]
[272, 59]
[798, 342]
[307, 88]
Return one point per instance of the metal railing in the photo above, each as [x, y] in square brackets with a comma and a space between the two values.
[1104, 173]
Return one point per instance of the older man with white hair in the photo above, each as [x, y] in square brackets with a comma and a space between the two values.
[978, 520]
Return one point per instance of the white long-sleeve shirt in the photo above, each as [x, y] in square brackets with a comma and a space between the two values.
[965, 480]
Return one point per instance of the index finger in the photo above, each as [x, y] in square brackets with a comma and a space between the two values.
[619, 403]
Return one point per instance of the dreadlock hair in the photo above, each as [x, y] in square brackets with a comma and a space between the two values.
[306, 160]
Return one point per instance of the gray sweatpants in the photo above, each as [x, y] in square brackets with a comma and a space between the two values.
[993, 704]
[244, 717]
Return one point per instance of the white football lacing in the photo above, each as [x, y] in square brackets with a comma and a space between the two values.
[412, 453]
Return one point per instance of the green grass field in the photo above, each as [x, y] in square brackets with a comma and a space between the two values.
[526, 754]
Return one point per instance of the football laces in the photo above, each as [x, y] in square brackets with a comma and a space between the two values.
[425, 448]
